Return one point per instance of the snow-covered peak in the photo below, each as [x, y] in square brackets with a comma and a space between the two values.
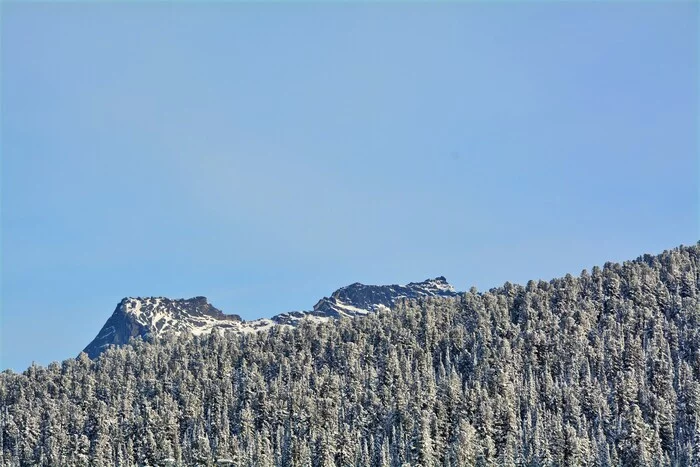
[358, 299]
[158, 316]
[433, 287]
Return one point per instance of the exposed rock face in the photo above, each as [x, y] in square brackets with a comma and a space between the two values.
[359, 298]
[157, 316]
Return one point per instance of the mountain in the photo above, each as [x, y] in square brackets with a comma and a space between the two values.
[600, 369]
[359, 298]
[157, 316]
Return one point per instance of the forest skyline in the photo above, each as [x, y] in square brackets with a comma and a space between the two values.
[602, 369]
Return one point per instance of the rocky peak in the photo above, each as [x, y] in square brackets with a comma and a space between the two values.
[359, 298]
[156, 316]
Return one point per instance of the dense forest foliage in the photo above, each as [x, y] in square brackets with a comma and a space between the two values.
[603, 369]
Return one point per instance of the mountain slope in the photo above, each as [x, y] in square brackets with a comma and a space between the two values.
[360, 299]
[597, 370]
[158, 316]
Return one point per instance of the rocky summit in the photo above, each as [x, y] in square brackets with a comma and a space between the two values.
[157, 316]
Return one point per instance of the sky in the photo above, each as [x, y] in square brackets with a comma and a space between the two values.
[264, 155]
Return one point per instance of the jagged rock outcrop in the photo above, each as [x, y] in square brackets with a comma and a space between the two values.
[157, 316]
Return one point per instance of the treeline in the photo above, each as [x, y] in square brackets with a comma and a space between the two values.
[599, 370]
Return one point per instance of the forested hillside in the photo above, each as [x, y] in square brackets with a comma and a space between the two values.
[603, 369]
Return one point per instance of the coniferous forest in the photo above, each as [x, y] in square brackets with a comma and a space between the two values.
[602, 369]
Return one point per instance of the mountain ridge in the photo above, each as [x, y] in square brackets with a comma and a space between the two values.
[157, 316]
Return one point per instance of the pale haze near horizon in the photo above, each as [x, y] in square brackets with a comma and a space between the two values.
[266, 155]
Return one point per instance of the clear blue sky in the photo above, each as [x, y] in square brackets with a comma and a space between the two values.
[265, 155]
